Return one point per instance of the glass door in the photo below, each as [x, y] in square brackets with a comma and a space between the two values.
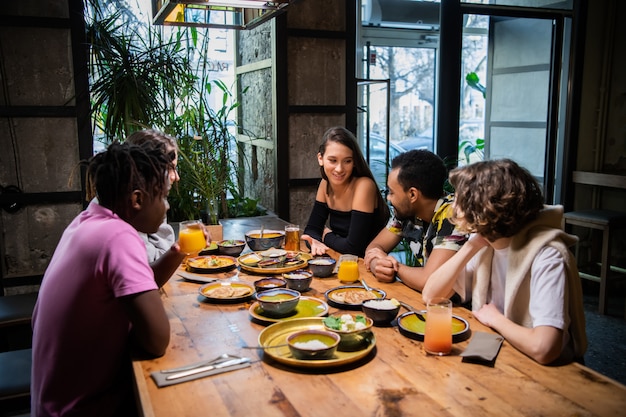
[397, 102]
[513, 92]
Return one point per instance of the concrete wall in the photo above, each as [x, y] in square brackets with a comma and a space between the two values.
[255, 82]
[37, 153]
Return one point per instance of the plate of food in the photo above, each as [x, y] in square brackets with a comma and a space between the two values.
[351, 297]
[274, 342]
[413, 325]
[307, 307]
[230, 291]
[289, 261]
[211, 264]
[207, 278]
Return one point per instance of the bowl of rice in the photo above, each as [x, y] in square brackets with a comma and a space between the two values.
[313, 344]
[382, 311]
[299, 280]
[322, 267]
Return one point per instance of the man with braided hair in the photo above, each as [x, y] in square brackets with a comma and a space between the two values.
[99, 298]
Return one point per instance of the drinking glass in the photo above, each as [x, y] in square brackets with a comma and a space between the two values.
[191, 237]
[292, 238]
[438, 332]
[348, 269]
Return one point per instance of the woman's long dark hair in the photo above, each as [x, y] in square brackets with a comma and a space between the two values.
[344, 137]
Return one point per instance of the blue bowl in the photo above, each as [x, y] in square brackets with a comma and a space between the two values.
[279, 301]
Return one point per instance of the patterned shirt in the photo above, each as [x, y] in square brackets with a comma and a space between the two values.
[440, 233]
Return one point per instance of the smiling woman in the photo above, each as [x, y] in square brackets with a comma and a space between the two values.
[347, 198]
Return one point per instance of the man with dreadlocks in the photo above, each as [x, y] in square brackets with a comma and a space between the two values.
[99, 297]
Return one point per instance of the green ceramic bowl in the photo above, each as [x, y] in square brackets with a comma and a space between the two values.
[313, 344]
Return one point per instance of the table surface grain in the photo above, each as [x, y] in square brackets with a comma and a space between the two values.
[397, 379]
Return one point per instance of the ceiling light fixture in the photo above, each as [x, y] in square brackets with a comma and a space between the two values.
[225, 14]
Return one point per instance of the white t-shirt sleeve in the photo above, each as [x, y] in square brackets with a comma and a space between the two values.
[548, 289]
[160, 242]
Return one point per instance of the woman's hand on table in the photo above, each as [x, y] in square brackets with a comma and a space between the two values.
[317, 247]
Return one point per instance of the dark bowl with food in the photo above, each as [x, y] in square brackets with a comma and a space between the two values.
[313, 344]
[299, 280]
[382, 311]
[269, 283]
[269, 239]
[231, 247]
[322, 267]
[354, 330]
[278, 301]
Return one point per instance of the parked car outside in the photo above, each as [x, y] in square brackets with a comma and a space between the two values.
[378, 163]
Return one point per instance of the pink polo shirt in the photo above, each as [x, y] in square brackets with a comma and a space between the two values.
[80, 328]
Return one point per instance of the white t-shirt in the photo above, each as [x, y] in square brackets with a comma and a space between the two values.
[160, 242]
[548, 289]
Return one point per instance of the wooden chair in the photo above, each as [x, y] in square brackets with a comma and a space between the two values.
[607, 221]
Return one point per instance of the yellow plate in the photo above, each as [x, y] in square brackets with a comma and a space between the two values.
[307, 307]
[304, 259]
[277, 333]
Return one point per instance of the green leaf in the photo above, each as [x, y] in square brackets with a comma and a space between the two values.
[333, 322]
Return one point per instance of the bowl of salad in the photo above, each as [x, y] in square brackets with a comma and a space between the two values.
[231, 247]
[354, 330]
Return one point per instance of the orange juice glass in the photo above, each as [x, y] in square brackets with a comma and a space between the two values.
[191, 237]
[438, 333]
[348, 269]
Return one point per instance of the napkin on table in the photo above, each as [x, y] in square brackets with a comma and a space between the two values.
[483, 348]
[161, 381]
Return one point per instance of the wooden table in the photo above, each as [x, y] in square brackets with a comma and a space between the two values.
[398, 379]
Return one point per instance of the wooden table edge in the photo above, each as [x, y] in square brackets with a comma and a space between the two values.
[142, 395]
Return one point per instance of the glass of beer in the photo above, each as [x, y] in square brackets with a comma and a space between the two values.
[191, 237]
[292, 238]
[348, 269]
[438, 332]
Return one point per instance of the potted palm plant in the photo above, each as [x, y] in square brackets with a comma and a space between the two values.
[206, 166]
[141, 78]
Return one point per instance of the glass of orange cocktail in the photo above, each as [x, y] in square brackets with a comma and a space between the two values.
[438, 332]
[191, 237]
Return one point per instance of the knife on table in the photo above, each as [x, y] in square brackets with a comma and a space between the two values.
[207, 368]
